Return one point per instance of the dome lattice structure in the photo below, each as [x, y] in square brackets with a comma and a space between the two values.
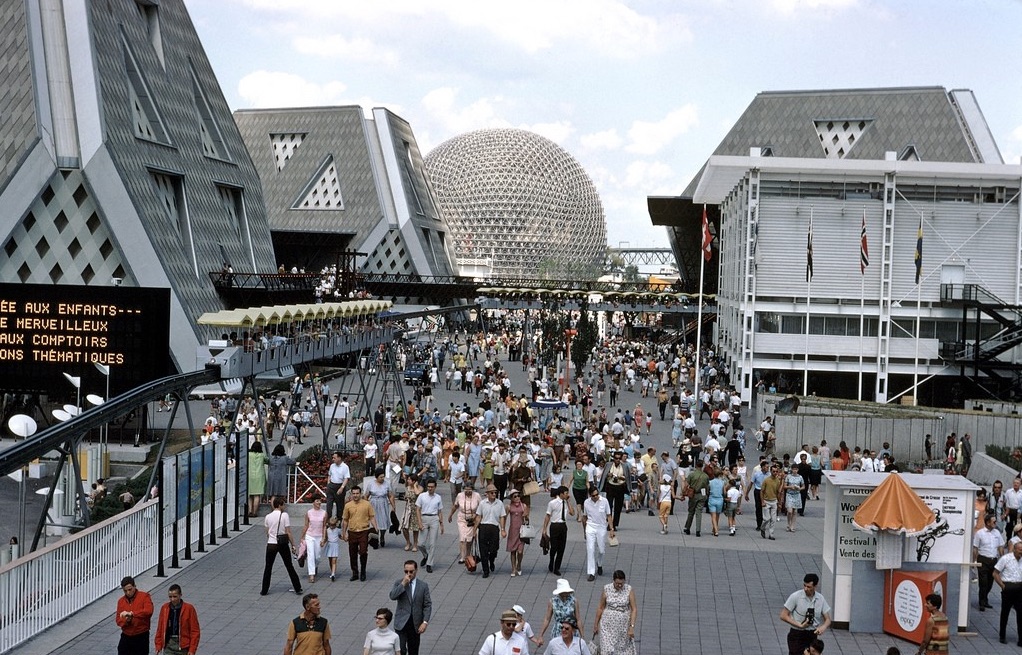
[520, 199]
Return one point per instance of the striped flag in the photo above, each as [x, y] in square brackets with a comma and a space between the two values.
[809, 251]
[707, 238]
[863, 247]
[919, 250]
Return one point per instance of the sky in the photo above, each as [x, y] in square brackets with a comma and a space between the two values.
[640, 92]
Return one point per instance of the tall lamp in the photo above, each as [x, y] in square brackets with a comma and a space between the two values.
[76, 382]
[105, 370]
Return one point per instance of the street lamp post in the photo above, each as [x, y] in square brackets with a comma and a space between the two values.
[104, 431]
[76, 382]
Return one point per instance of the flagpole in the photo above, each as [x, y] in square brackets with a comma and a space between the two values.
[699, 314]
[809, 294]
[919, 298]
[863, 262]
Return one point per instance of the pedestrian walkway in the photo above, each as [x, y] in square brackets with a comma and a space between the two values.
[696, 595]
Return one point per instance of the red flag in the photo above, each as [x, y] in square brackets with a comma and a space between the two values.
[707, 238]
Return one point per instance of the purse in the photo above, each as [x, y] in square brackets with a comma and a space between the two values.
[303, 554]
[612, 540]
[528, 532]
[472, 559]
[530, 488]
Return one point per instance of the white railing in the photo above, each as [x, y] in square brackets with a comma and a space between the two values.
[53, 583]
[294, 478]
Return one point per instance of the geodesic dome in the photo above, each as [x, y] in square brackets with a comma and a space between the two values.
[520, 199]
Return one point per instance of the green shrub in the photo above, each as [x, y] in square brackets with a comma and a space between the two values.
[1008, 455]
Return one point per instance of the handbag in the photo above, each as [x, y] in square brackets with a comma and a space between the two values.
[530, 488]
[395, 525]
[528, 532]
[472, 559]
[374, 538]
[544, 543]
[612, 540]
[303, 554]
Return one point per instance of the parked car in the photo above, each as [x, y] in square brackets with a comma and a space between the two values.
[415, 373]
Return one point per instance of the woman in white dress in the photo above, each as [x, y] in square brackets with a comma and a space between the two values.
[382, 640]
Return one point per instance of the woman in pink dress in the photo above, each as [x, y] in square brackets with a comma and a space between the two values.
[519, 516]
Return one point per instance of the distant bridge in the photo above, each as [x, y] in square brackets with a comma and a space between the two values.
[644, 256]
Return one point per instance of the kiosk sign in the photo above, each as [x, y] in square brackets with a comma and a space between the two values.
[853, 543]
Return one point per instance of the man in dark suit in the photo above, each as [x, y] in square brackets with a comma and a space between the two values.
[414, 608]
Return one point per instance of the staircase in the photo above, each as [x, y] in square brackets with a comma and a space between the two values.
[988, 358]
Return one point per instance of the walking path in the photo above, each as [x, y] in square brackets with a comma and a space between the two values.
[696, 595]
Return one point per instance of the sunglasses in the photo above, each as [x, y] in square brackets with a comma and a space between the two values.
[510, 622]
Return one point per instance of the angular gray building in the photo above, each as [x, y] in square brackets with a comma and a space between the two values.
[120, 162]
[335, 179]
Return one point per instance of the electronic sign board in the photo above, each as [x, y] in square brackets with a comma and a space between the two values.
[49, 330]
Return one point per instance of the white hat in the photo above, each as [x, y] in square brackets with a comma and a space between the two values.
[563, 587]
[519, 609]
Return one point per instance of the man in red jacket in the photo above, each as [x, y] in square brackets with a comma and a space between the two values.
[177, 631]
[134, 615]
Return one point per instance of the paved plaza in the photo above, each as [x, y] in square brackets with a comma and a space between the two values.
[696, 595]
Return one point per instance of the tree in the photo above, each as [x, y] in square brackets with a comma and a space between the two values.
[587, 337]
[552, 329]
[632, 274]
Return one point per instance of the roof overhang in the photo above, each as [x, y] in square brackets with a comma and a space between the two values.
[723, 172]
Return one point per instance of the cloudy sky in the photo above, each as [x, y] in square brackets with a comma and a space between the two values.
[639, 91]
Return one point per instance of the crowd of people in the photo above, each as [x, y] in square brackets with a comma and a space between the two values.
[516, 474]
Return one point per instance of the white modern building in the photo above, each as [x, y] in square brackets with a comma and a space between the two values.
[864, 319]
[888, 161]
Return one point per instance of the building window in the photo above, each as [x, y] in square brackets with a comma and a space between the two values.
[145, 118]
[411, 178]
[324, 189]
[234, 208]
[213, 145]
[150, 12]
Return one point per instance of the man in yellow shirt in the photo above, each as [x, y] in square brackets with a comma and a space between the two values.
[356, 522]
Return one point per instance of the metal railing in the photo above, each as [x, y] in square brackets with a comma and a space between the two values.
[53, 583]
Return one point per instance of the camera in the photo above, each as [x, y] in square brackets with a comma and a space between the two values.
[810, 615]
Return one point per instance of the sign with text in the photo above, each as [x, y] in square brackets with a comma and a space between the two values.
[49, 330]
[853, 543]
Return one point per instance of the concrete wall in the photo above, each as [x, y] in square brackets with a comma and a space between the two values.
[906, 434]
[985, 470]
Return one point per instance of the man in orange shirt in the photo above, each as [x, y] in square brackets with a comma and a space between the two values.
[177, 630]
[134, 615]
